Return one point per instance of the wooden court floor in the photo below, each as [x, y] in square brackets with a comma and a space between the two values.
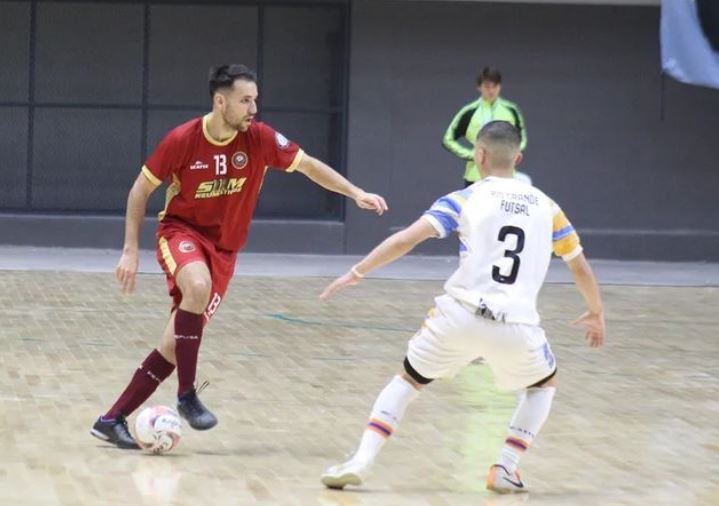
[292, 382]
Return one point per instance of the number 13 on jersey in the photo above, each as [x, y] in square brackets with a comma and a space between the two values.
[220, 164]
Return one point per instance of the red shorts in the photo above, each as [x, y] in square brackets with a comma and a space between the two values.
[177, 246]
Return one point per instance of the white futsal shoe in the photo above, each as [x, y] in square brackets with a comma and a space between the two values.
[501, 481]
[352, 472]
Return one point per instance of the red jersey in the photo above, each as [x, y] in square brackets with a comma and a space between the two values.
[214, 186]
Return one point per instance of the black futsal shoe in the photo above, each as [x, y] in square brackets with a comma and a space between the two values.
[196, 414]
[115, 432]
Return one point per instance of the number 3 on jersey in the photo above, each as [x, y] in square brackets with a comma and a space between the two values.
[509, 253]
[220, 165]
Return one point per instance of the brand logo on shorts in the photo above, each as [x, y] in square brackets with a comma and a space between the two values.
[239, 160]
[282, 141]
[186, 247]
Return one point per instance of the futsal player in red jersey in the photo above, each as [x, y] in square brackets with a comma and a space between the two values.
[214, 166]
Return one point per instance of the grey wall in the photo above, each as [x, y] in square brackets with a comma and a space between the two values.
[87, 89]
[633, 166]
[638, 179]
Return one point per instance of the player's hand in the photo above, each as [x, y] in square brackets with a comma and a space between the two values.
[347, 279]
[593, 323]
[371, 201]
[126, 270]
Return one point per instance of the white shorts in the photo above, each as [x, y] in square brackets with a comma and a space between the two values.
[452, 336]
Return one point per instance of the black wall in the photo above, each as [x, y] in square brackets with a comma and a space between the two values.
[87, 88]
[633, 165]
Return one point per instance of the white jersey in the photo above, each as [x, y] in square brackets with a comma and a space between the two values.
[507, 232]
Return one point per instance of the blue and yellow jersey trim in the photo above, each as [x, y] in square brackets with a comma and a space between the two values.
[565, 240]
[444, 213]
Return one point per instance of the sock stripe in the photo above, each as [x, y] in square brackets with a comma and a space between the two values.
[379, 431]
[517, 443]
[380, 427]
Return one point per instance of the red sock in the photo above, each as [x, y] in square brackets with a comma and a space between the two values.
[153, 371]
[188, 336]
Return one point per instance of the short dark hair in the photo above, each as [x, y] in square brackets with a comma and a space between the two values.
[489, 74]
[500, 140]
[224, 76]
[500, 132]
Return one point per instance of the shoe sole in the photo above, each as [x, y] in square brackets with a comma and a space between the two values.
[339, 482]
[99, 435]
[507, 490]
[200, 427]
[502, 490]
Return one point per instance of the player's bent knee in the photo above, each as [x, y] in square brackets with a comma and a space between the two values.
[201, 287]
[197, 291]
[413, 376]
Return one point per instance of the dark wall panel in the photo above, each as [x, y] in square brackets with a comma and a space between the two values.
[15, 44]
[89, 122]
[159, 123]
[601, 141]
[295, 40]
[188, 39]
[371, 139]
[13, 156]
[295, 196]
[89, 53]
[85, 159]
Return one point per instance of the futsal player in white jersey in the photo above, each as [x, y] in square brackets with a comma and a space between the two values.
[507, 231]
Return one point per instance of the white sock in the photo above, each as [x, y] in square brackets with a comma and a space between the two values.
[529, 417]
[386, 414]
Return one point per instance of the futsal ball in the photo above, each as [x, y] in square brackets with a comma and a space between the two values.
[158, 429]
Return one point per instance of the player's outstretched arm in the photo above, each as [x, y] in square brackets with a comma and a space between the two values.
[328, 178]
[136, 209]
[392, 248]
[593, 319]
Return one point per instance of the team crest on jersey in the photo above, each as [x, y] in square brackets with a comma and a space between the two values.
[186, 247]
[282, 141]
[239, 160]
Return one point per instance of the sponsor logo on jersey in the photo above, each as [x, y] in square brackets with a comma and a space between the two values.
[282, 141]
[186, 247]
[199, 165]
[239, 160]
[219, 187]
